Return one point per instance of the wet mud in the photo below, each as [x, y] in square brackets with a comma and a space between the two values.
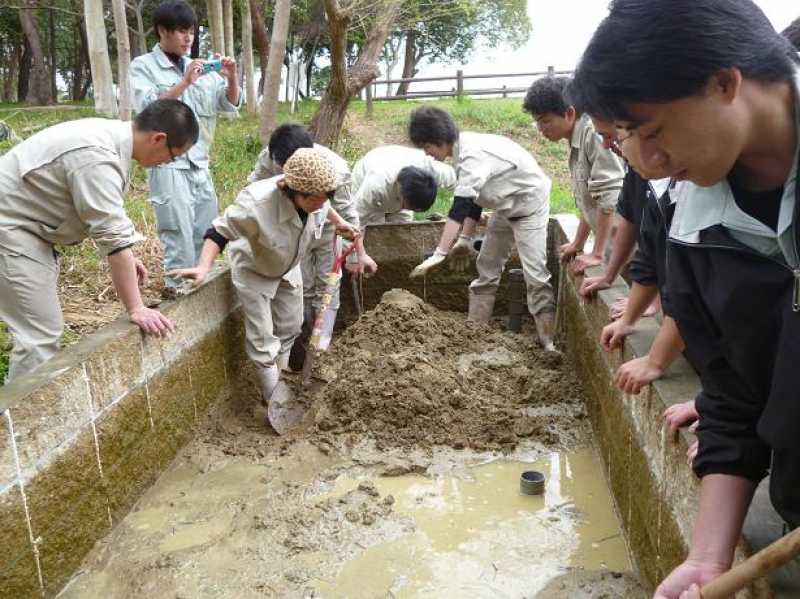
[402, 481]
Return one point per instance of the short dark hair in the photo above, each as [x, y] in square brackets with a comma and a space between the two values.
[792, 33]
[418, 188]
[429, 124]
[547, 95]
[172, 117]
[286, 140]
[657, 51]
[174, 14]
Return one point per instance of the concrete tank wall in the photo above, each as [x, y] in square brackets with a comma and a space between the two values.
[84, 436]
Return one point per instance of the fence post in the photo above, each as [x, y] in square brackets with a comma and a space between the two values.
[459, 84]
[369, 100]
[505, 93]
[551, 71]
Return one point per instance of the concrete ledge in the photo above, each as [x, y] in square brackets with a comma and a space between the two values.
[655, 490]
[84, 435]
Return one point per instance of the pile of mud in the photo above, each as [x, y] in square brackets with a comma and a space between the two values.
[411, 376]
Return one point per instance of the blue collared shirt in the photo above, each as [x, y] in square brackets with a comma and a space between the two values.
[154, 73]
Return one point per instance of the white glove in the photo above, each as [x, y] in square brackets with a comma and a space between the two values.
[462, 253]
[422, 269]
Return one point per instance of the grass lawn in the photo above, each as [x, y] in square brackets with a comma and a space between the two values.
[87, 296]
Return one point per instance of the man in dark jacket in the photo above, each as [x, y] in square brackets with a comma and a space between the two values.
[712, 96]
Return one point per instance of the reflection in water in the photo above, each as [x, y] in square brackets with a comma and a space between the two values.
[483, 538]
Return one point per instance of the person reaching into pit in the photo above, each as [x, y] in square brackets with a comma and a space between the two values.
[712, 96]
[270, 226]
[392, 182]
[496, 173]
[319, 257]
[595, 171]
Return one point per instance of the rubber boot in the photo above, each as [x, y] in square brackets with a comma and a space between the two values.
[297, 356]
[545, 328]
[329, 320]
[282, 361]
[268, 377]
[481, 306]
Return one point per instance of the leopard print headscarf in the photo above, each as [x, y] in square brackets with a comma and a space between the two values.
[308, 171]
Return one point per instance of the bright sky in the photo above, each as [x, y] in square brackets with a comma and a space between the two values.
[561, 31]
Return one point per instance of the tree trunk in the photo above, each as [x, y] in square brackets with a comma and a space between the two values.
[24, 71]
[409, 62]
[53, 66]
[247, 58]
[262, 42]
[215, 20]
[329, 118]
[140, 33]
[227, 14]
[102, 79]
[39, 92]
[11, 73]
[123, 58]
[272, 86]
[79, 81]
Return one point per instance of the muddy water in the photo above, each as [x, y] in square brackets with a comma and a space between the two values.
[304, 524]
[479, 537]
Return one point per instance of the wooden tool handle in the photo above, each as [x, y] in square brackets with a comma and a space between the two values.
[756, 566]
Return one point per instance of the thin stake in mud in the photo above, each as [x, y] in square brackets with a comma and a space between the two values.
[331, 281]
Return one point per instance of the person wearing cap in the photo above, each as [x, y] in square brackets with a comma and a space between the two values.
[318, 260]
[182, 191]
[270, 226]
[392, 182]
[60, 186]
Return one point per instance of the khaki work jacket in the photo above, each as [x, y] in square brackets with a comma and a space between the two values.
[500, 175]
[375, 185]
[64, 184]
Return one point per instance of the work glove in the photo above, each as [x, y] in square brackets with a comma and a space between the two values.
[423, 268]
[462, 254]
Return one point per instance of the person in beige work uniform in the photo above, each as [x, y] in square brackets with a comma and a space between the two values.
[271, 224]
[390, 183]
[595, 171]
[493, 172]
[318, 259]
[60, 186]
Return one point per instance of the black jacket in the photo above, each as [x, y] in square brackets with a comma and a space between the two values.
[649, 264]
[736, 311]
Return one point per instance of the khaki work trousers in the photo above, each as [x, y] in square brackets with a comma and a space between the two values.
[185, 204]
[273, 313]
[31, 310]
[530, 235]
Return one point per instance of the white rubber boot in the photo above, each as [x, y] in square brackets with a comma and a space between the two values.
[481, 306]
[268, 377]
[328, 322]
[545, 328]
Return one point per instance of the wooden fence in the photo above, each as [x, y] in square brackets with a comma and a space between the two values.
[459, 89]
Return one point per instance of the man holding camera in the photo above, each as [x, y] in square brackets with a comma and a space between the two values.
[181, 191]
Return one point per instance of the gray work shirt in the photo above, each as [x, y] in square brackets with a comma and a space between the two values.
[64, 184]
[500, 175]
[153, 74]
[375, 187]
[596, 173]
